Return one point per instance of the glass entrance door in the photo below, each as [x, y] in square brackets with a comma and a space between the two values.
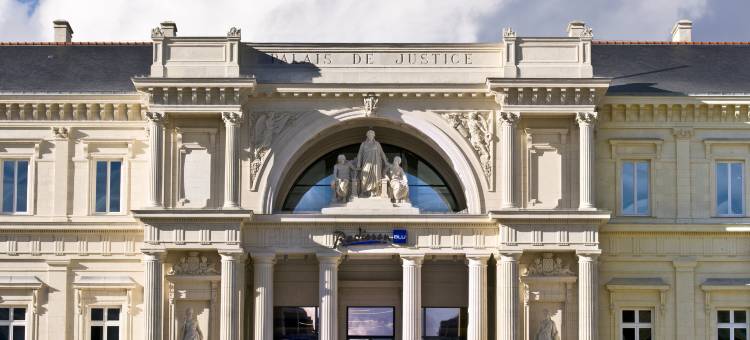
[370, 323]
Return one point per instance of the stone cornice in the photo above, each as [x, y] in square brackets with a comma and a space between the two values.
[556, 217]
[675, 111]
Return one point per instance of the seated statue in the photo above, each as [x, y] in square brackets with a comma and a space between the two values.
[398, 183]
[341, 182]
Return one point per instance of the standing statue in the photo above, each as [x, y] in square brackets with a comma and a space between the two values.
[341, 181]
[190, 329]
[371, 162]
[398, 183]
[547, 329]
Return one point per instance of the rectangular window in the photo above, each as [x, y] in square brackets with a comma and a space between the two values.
[15, 185]
[729, 189]
[447, 323]
[635, 178]
[636, 324]
[369, 323]
[295, 323]
[12, 323]
[104, 323]
[732, 324]
[108, 186]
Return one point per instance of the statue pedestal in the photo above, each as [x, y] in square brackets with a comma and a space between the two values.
[370, 206]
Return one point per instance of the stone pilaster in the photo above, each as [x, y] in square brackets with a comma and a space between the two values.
[232, 126]
[586, 122]
[152, 294]
[587, 296]
[477, 329]
[328, 292]
[508, 121]
[507, 296]
[61, 140]
[412, 292]
[684, 291]
[263, 283]
[59, 320]
[156, 145]
[231, 285]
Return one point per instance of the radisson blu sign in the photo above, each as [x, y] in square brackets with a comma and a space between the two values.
[362, 237]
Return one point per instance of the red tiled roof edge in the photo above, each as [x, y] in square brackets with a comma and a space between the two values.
[74, 43]
[639, 42]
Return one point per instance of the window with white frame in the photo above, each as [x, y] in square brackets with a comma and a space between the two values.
[15, 185]
[634, 187]
[12, 323]
[729, 189]
[636, 324]
[108, 184]
[732, 324]
[104, 323]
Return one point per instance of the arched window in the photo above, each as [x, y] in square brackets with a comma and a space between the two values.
[428, 190]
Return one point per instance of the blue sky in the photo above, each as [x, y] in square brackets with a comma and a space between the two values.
[374, 20]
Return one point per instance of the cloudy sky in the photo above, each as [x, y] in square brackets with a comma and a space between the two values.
[374, 20]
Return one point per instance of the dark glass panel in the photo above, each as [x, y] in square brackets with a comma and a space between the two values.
[740, 334]
[114, 186]
[295, 323]
[442, 322]
[642, 188]
[19, 313]
[724, 333]
[101, 186]
[644, 334]
[628, 183]
[723, 316]
[644, 316]
[113, 333]
[736, 183]
[97, 333]
[19, 332]
[628, 316]
[740, 316]
[9, 185]
[22, 185]
[4, 313]
[370, 321]
[113, 314]
[4, 332]
[97, 314]
[628, 334]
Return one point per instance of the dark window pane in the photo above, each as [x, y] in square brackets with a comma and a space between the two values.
[724, 333]
[4, 332]
[114, 186]
[644, 316]
[293, 323]
[627, 334]
[4, 313]
[736, 182]
[113, 333]
[740, 316]
[97, 333]
[442, 321]
[97, 314]
[740, 334]
[19, 313]
[722, 188]
[370, 321]
[628, 316]
[21, 185]
[644, 334]
[9, 185]
[628, 185]
[113, 314]
[642, 188]
[19, 332]
[101, 186]
[723, 316]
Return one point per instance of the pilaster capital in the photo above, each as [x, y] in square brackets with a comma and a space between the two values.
[232, 254]
[263, 258]
[329, 258]
[155, 117]
[684, 264]
[231, 118]
[588, 256]
[412, 259]
[508, 118]
[682, 133]
[478, 260]
[60, 133]
[586, 118]
[154, 254]
[509, 256]
[57, 265]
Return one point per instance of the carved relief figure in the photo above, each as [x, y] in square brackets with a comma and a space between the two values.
[477, 130]
[193, 265]
[341, 182]
[266, 126]
[548, 265]
[207, 268]
[398, 182]
[371, 162]
[190, 329]
[547, 328]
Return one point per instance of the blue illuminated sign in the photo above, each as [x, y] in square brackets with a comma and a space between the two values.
[400, 236]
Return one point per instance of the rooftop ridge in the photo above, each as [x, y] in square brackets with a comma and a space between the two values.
[74, 43]
[647, 42]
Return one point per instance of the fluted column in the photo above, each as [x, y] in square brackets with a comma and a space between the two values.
[477, 297]
[508, 121]
[507, 296]
[232, 126]
[231, 284]
[156, 145]
[152, 294]
[586, 122]
[587, 293]
[412, 292]
[328, 284]
[263, 283]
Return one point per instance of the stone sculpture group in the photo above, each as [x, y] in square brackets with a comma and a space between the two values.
[370, 175]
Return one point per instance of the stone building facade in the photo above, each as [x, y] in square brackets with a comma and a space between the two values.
[558, 188]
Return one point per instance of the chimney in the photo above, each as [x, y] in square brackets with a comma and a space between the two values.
[63, 32]
[682, 31]
[169, 28]
[576, 28]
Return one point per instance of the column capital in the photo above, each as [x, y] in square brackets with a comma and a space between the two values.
[154, 254]
[588, 256]
[478, 257]
[329, 258]
[412, 259]
[232, 117]
[684, 263]
[155, 117]
[232, 254]
[509, 118]
[509, 256]
[263, 258]
[586, 118]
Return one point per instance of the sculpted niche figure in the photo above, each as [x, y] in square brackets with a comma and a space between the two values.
[547, 328]
[398, 183]
[371, 163]
[190, 329]
[342, 177]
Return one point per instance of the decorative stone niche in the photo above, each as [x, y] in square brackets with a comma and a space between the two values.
[547, 165]
[196, 150]
[194, 282]
[549, 299]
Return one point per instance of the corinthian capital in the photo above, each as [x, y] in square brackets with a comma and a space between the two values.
[155, 117]
[231, 118]
[586, 118]
[509, 118]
